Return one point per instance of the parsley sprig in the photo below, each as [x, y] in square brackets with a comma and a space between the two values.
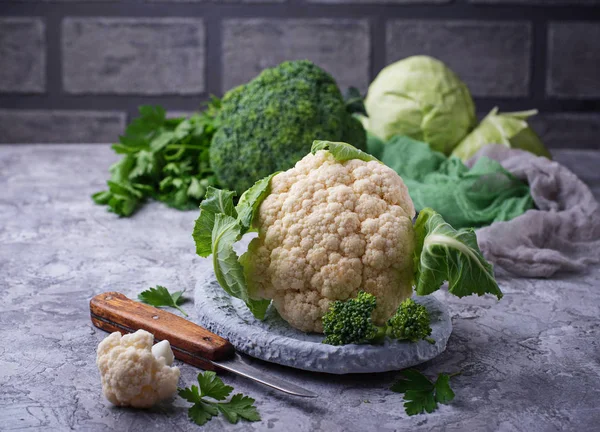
[210, 386]
[160, 296]
[421, 394]
[166, 159]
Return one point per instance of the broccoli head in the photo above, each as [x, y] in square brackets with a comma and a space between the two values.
[410, 322]
[350, 322]
[269, 124]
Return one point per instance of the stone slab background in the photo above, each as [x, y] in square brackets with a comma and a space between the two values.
[75, 71]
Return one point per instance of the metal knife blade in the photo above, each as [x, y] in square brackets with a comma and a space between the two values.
[239, 367]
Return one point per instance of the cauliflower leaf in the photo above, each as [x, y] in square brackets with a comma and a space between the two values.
[219, 226]
[250, 201]
[445, 254]
[216, 201]
[341, 151]
[228, 270]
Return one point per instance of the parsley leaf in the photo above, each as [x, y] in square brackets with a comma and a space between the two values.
[417, 401]
[212, 386]
[160, 296]
[190, 394]
[163, 159]
[239, 406]
[413, 380]
[443, 392]
[202, 412]
[420, 394]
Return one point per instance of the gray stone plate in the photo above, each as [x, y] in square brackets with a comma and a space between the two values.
[274, 340]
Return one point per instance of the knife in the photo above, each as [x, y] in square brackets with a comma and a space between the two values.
[191, 343]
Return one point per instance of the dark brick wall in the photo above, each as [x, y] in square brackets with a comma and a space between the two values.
[76, 70]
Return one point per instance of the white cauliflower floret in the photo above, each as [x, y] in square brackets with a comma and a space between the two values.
[327, 230]
[131, 374]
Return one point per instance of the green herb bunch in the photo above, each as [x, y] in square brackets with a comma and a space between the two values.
[208, 399]
[421, 394]
[166, 159]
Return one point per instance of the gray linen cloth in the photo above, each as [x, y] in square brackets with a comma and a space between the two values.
[562, 234]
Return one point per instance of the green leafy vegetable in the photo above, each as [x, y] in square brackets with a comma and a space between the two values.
[445, 254]
[250, 201]
[443, 391]
[163, 159]
[239, 406]
[410, 322]
[228, 270]
[268, 124]
[350, 322]
[218, 227]
[509, 129]
[421, 394]
[216, 201]
[465, 197]
[420, 97]
[210, 386]
[341, 151]
[160, 296]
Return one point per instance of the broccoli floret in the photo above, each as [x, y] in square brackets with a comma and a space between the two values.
[350, 322]
[269, 124]
[410, 322]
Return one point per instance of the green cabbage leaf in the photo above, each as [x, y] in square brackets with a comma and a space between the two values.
[509, 129]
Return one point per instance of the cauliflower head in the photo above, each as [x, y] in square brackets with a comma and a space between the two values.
[328, 230]
[131, 374]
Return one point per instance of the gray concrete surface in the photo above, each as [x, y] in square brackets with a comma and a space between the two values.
[530, 362]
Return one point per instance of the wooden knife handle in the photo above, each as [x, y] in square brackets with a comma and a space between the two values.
[112, 311]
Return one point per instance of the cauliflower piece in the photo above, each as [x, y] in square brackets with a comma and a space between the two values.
[131, 374]
[163, 349]
[328, 230]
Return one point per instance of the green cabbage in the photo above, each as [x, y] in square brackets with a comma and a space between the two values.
[423, 99]
[509, 129]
